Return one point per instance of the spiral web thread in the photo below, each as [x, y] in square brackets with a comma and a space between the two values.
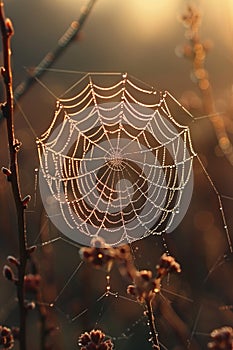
[115, 160]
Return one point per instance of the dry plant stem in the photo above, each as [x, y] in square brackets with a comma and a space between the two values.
[42, 311]
[151, 320]
[207, 94]
[67, 38]
[210, 109]
[7, 32]
[43, 319]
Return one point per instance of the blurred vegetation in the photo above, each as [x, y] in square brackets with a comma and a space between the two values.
[140, 37]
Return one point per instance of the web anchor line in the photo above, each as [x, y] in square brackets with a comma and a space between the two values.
[225, 226]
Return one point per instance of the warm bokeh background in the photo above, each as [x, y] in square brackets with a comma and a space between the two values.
[139, 37]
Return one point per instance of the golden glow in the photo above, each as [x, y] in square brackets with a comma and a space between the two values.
[224, 142]
[220, 18]
[204, 84]
[149, 18]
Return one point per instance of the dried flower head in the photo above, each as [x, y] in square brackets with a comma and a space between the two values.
[191, 19]
[222, 339]
[167, 265]
[197, 49]
[145, 286]
[99, 257]
[94, 340]
[6, 338]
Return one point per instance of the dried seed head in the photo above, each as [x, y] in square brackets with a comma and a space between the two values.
[84, 339]
[144, 286]
[191, 20]
[222, 339]
[98, 257]
[94, 340]
[97, 336]
[167, 265]
[5, 331]
[6, 337]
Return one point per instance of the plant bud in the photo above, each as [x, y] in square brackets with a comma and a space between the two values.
[26, 200]
[30, 306]
[6, 171]
[9, 27]
[13, 260]
[31, 249]
[8, 273]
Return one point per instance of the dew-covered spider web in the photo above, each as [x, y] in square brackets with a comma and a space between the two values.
[122, 161]
[117, 164]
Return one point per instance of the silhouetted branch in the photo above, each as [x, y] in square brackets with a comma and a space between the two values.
[12, 172]
[66, 39]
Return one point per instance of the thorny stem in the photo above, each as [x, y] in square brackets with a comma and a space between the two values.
[151, 320]
[7, 108]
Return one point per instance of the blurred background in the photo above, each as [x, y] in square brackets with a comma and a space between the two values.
[146, 39]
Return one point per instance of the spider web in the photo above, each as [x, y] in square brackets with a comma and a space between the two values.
[117, 164]
[111, 309]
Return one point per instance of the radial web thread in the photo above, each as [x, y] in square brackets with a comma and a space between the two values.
[116, 163]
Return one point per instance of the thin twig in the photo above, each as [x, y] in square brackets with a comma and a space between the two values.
[67, 38]
[13, 144]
